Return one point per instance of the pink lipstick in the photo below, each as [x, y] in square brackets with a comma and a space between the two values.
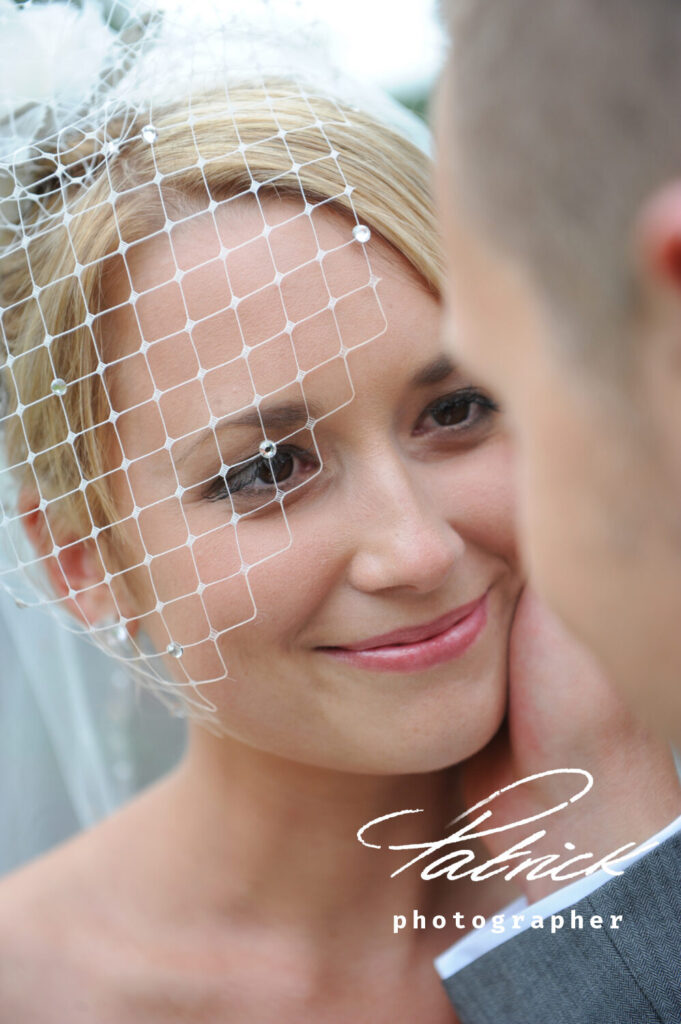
[418, 647]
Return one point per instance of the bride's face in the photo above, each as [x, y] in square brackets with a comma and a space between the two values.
[280, 578]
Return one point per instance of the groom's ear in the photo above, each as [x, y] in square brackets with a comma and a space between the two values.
[657, 324]
[72, 562]
[657, 240]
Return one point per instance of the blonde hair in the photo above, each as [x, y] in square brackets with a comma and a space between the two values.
[205, 152]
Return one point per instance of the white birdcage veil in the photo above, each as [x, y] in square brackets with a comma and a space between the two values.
[72, 141]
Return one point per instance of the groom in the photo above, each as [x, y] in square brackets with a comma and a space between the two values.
[559, 144]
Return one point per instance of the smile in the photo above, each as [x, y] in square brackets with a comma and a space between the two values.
[418, 647]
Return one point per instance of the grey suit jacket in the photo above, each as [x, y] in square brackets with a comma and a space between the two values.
[626, 976]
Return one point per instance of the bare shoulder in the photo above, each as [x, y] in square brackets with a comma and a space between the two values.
[78, 944]
[67, 942]
[68, 954]
[37, 968]
[84, 883]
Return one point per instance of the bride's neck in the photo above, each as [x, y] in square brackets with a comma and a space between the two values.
[249, 832]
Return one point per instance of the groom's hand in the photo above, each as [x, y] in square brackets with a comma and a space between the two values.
[562, 713]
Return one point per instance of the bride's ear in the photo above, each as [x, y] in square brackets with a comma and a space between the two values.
[73, 563]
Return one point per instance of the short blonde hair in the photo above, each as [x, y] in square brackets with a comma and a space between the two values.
[555, 164]
[209, 151]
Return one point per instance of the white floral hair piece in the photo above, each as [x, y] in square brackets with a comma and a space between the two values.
[77, 53]
[73, 49]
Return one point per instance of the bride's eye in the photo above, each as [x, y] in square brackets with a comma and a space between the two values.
[462, 410]
[260, 477]
[261, 472]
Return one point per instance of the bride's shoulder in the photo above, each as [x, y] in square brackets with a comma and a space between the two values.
[82, 880]
[29, 896]
[62, 952]
[34, 893]
[37, 965]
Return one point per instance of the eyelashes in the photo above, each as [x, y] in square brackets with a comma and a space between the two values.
[259, 477]
[462, 410]
[462, 417]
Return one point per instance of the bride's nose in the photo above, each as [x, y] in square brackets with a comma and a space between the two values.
[403, 539]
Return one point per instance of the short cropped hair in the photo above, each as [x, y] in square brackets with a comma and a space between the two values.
[564, 117]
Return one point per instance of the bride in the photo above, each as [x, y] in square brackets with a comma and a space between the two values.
[246, 466]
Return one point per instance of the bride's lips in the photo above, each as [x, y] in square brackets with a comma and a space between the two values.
[418, 647]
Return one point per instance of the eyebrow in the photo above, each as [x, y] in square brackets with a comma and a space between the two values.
[434, 373]
[292, 415]
[287, 415]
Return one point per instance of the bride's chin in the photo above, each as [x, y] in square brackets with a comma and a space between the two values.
[439, 752]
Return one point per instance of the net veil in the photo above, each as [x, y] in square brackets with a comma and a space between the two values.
[122, 131]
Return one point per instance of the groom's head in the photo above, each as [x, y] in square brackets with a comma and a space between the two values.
[559, 139]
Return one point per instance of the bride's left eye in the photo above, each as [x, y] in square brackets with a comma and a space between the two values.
[462, 410]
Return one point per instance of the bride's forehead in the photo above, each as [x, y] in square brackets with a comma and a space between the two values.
[247, 273]
[251, 299]
[238, 232]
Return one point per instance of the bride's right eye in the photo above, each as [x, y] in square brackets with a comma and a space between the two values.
[260, 477]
